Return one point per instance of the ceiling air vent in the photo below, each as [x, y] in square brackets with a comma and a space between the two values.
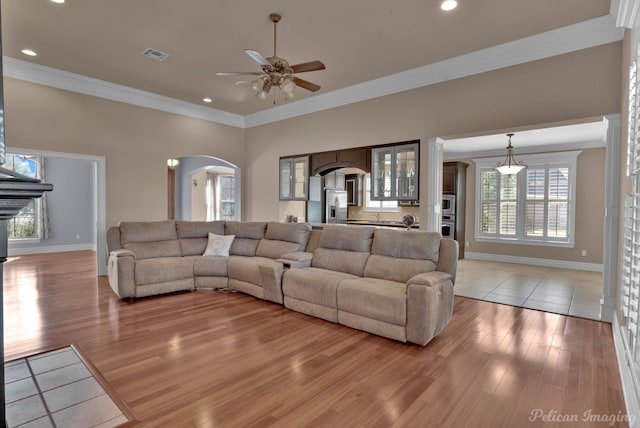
[154, 54]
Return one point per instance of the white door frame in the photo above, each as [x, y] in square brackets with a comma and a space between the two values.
[99, 199]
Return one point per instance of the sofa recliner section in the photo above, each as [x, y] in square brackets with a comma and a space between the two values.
[387, 282]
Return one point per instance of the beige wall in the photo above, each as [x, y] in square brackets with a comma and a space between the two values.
[589, 228]
[572, 86]
[135, 141]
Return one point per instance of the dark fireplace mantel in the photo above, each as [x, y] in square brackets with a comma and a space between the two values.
[16, 191]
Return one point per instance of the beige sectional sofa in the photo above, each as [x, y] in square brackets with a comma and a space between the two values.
[148, 258]
[393, 283]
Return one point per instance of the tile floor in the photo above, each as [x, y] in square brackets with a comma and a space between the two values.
[561, 291]
[55, 389]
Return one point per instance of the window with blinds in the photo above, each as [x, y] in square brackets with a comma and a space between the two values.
[533, 206]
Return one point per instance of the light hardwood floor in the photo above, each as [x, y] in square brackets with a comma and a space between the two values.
[210, 359]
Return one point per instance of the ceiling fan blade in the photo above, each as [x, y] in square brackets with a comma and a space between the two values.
[304, 84]
[237, 73]
[308, 66]
[255, 55]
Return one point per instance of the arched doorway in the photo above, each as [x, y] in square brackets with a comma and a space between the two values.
[202, 177]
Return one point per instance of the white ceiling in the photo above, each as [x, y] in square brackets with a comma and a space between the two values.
[553, 138]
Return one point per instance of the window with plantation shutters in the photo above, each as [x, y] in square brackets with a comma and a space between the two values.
[630, 275]
[534, 206]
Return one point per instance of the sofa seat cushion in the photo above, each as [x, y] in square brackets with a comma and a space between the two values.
[313, 285]
[163, 269]
[247, 269]
[374, 298]
[151, 250]
[209, 266]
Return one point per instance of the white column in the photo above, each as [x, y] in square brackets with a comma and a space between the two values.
[611, 218]
[431, 185]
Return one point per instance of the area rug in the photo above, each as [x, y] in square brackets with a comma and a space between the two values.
[60, 388]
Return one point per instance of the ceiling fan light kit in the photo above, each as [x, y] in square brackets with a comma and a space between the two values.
[276, 71]
[510, 165]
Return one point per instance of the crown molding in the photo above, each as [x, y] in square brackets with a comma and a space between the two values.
[625, 11]
[587, 34]
[35, 73]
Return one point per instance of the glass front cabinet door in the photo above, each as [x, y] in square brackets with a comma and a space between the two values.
[381, 170]
[394, 172]
[294, 183]
[406, 167]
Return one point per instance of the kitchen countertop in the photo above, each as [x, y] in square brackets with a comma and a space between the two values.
[377, 223]
[387, 223]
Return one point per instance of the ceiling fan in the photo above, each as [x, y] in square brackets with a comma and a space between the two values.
[276, 71]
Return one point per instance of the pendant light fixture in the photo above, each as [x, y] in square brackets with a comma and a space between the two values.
[510, 165]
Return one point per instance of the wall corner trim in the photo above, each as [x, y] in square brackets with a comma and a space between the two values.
[628, 378]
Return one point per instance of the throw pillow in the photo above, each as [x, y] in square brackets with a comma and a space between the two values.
[218, 245]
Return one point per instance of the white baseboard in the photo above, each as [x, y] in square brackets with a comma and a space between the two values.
[564, 264]
[628, 377]
[42, 249]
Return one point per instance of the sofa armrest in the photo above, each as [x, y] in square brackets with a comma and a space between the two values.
[429, 305]
[296, 260]
[429, 278]
[121, 272]
[113, 239]
[448, 258]
[122, 253]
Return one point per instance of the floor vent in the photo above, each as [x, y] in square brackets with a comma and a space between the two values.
[154, 54]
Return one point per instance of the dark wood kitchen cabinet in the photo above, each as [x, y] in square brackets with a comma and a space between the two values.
[454, 178]
[449, 172]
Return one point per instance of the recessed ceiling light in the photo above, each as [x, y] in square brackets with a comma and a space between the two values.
[449, 5]
[207, 100]
[28, 52]
[58, 1]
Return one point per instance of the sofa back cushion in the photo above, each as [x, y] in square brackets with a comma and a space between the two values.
[248, 236]
[150, 239]
[344, 249]
[194, 235]
[283, 238]
[398, 255]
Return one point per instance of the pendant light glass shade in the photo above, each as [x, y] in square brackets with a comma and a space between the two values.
[510, 165]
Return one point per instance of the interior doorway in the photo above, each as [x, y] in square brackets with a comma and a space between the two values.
[207, 188]
[65, 237]
[589, 133]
